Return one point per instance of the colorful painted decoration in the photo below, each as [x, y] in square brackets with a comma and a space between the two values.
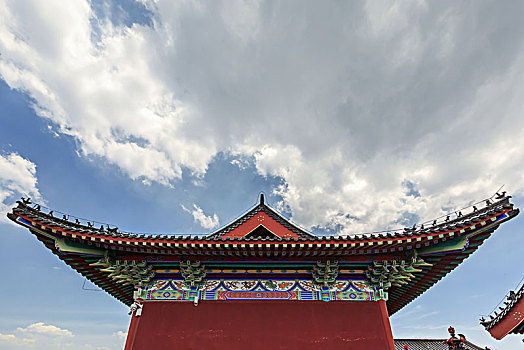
[172, 289]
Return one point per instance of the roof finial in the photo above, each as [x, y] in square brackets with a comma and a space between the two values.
[261, 199]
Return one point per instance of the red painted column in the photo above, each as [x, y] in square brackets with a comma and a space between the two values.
[261, 325]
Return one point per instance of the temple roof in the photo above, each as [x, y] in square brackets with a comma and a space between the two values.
[429, 344]
[439, 226]
[262, 236]
[508, 318]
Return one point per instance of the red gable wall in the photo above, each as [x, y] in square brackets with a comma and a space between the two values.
[265, 220]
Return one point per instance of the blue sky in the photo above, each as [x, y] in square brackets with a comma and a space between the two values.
[172, 118]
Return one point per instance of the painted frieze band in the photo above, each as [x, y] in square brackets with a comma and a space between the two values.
[177, 289]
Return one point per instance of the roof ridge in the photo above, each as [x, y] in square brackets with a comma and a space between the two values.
[460, 221]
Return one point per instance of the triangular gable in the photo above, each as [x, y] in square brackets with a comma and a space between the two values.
[264, 220]
[261, 222]
[260, 232]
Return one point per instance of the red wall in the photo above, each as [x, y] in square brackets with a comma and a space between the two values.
[261, 325]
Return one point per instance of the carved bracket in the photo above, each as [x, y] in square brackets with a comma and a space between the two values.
[194, 274]
[384, 274]
[325, 273]
[126, 272]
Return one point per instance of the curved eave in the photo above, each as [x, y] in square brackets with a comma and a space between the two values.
[510, 319]
[443, 264]
[454, 225]
[445, 247]
[80, 263]
[328, 246]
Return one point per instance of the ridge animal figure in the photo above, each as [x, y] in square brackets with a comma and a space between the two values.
[455, 342]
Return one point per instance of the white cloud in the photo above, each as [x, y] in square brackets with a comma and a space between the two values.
[17, 178]
[206, 221]
[41, 328]
[45, 336]
[7, 337]
[350, 104]
[37, 336]
[12, 340]
[120, 334]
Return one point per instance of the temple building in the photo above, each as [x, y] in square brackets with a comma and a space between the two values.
[262, 282]
[508, 318]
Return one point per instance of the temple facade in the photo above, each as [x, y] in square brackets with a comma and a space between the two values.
[262, 282]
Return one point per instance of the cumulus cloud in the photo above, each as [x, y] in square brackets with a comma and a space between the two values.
[13, 340]
[41, 328]
[46, 336]
[37, 335]
[373, 114]
[120, 334]
[206, 221]
[17, 178]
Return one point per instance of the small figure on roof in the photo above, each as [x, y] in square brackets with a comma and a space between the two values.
[455, 342]
[501, 195]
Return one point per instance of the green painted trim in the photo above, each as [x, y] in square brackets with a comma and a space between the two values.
[491, 226]
[455, 244]
[42, 233]
[66, 245]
